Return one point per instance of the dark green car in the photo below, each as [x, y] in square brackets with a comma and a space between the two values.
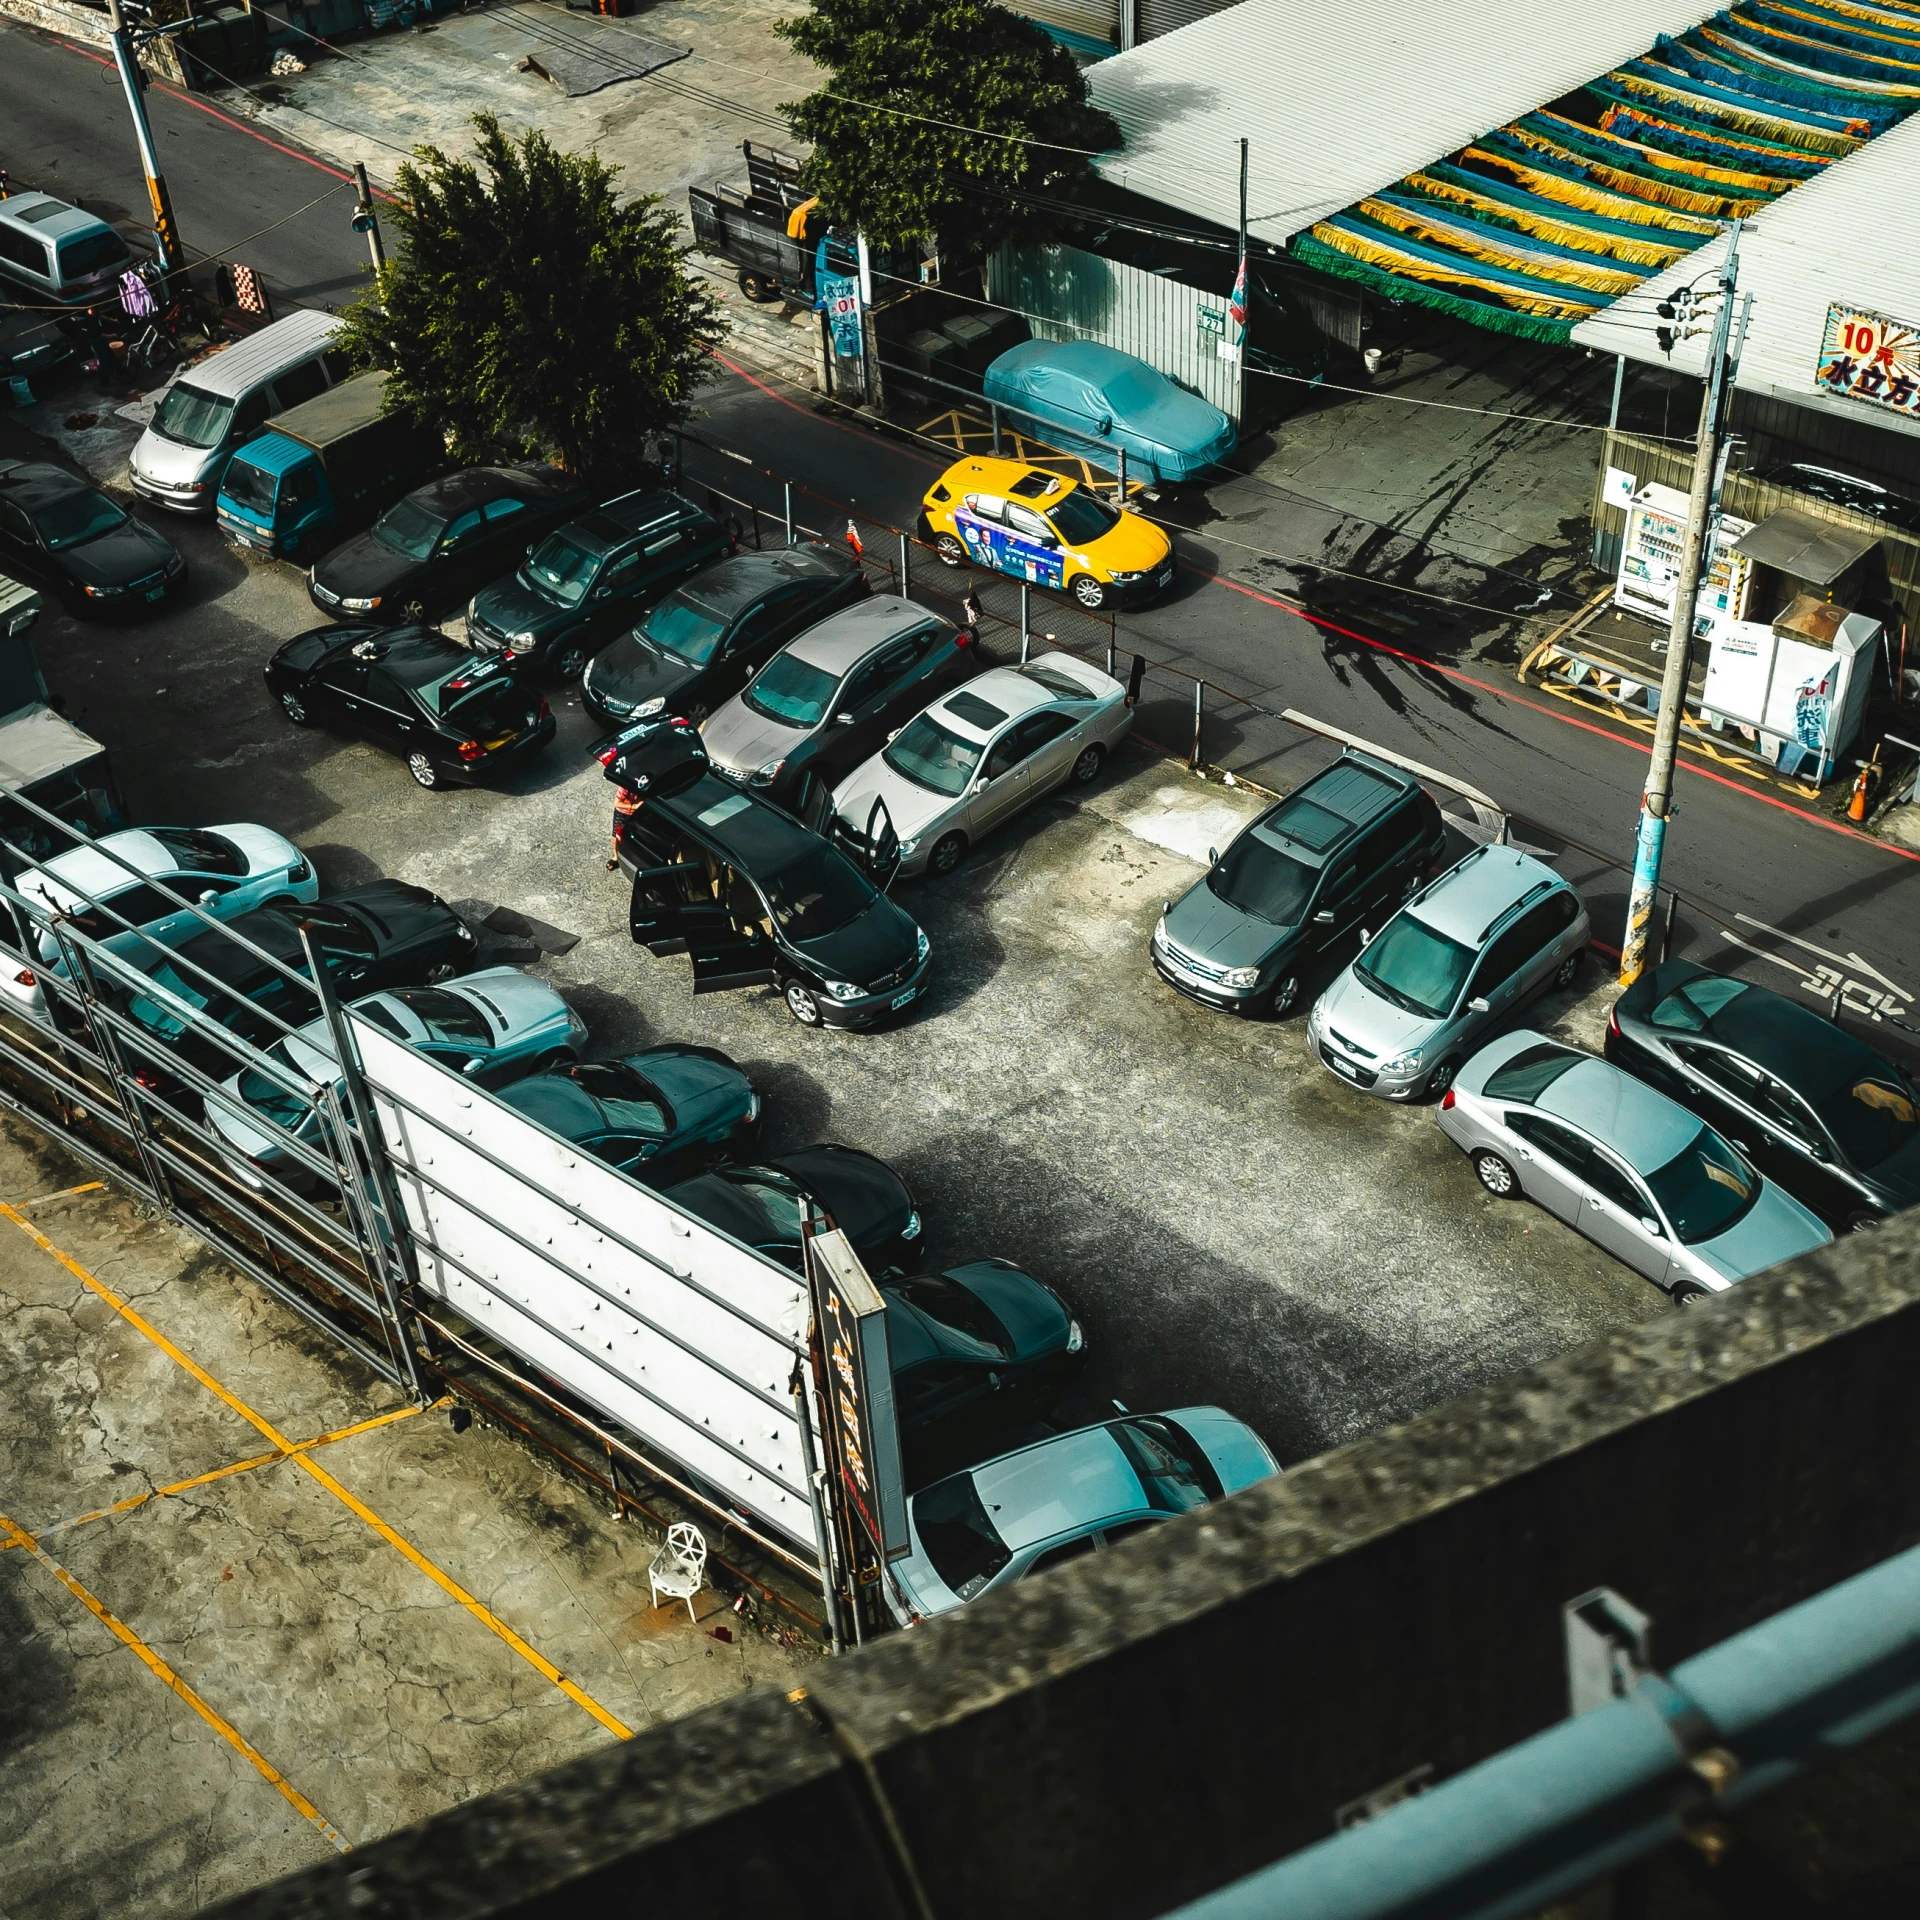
[590, 580]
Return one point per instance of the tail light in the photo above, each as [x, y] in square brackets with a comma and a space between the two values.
[471, 750]
[299, 873]
[26, 978]
[545, 710]
[1613, 1020]
[606, 759]
[146, 1077]
[1446, 1101]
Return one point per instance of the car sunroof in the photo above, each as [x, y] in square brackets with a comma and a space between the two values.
[974, 711]
[1034, 486]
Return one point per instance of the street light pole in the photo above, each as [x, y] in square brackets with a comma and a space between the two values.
[366, 217]
[1656, 803]
[166, 235]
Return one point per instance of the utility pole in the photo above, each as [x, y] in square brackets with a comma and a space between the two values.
[1656, 803]
[366, 217]
[126, 60]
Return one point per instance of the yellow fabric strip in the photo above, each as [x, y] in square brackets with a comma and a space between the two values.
[1614, 111]
[1674, 163]
[1646, 253]
[1815, 139]
[1612, 281]
[1411, 267]
[1801, 69]
[1906, 42]
[1591, 199]
[1632, 183]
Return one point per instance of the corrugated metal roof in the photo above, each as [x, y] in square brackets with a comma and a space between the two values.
[1850, 238]
[1336, 103]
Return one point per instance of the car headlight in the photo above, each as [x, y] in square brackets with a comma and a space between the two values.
[1403, 1062]
[911, 1231]
[1120, 579]
[1160, 933]
[647, 708]
[907, 849]
[175, 565]
[844, 990]
[1076, 1336]
[767, 774]
[575, 1025]
[922, 945]
[1240, 977]
[300, 872]
[520, 640]
[361, 606]
[463, 932]
[753, 1106]
[104, 593]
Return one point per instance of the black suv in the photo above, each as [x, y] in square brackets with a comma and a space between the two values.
[588, 581]
[756, 896]
[702, 643]
[1298, 881]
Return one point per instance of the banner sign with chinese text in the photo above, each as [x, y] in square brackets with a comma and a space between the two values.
[1869, 357]
[863, 1440]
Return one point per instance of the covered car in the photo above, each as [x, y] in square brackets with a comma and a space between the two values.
[1105, 400]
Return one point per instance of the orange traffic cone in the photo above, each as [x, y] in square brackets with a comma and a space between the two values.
[1857, 803]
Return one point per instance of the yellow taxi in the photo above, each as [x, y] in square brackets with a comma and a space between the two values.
[1045, 528]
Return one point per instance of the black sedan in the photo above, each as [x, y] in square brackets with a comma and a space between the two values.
[760, 1204]
[657, 1115]
[384, 935]
[975, 1339]
[586, 583]
[64, 532]
[452, 718]
[1815, 1108]
[701, 644]
[427, 553]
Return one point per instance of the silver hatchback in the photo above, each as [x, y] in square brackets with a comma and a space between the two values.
[1462, 954]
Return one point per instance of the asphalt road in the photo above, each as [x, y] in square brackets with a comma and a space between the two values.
[1813, 895]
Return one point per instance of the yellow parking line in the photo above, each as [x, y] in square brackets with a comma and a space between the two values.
[444, 1581]
[18, 1537]
[65, 1193]
[224, 1473]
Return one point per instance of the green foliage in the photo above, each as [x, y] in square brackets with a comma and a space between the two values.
[527, 313]
[968, 63]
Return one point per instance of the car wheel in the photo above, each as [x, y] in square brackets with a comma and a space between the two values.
[1862, 1222]
[1441, 1078]
[1568, 969]
[949, 551]
[1496, 1175]
[295, 710]
[757, 287]
[425, 773]
[1089, 592]
[1686, 1294]
[571, 661]
[801, 1003]
[414, 612]
[948, 851]
[1281, 1001]
[1087, 768]
[440, 970]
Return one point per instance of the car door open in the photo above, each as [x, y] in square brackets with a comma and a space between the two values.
[725, 953]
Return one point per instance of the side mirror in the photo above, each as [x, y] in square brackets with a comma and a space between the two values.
[1479, 1004]
[208, 898]
[1213, 856]
[1366, 936]
[472, 1064]
[1324, 918]
[895, 735]
[846, 720]
[1651, 1226]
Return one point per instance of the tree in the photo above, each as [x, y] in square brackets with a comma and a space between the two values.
[528, 313]
[956, 73]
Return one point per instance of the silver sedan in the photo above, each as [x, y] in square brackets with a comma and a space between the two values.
[979, 755]
[1621, 1164]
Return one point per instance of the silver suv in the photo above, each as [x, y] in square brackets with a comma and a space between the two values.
[1460, 956]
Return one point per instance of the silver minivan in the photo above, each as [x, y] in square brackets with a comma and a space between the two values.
[214, 405]
[59, 253]
[1461, 955]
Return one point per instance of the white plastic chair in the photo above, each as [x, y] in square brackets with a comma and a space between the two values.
[679, 1569]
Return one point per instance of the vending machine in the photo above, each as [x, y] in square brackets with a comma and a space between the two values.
[1650, 562]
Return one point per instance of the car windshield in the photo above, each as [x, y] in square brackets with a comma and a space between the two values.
[1175, 1475]
[1872, 1117]
[1263, 881]
[192, 417]
[1705, 1188]
[249, 486]
[77, 518]
[200, 851]
[962, 1316]
[561, 568]
[792, 692]
[1529, 1073]
[158, 1017]
[931, 756]
[684, 628]
[90, 253]
[956, 1535]
[408, 528]
[777, 1205]
[267, 1097]
[1688, 1008]
[1083, 517]
[1419, 970]
[446, 1016]
[632, 1104]
[817, 894]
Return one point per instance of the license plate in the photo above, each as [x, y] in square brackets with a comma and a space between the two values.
[900, 999]
[156, 593]
[1343, 1067]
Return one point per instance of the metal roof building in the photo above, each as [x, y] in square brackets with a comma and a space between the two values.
[1847, 242]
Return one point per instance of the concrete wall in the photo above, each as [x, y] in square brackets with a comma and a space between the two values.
[1156, 1721]
[88, 25]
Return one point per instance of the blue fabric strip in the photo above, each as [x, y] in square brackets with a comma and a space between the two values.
[1383, 236]
[1523, 201]
[1748, 100]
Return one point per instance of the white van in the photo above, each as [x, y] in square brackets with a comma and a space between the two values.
[212, 406]
[53, 252]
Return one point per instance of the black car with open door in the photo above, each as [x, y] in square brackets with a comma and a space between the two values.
[756, 895]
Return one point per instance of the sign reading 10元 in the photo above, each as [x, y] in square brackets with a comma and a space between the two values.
[1869, 357]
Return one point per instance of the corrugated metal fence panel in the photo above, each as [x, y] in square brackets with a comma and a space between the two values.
[1747, 499]
[1168, 16]
[689, 1344]
[1066, 294]
[1096, 22]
